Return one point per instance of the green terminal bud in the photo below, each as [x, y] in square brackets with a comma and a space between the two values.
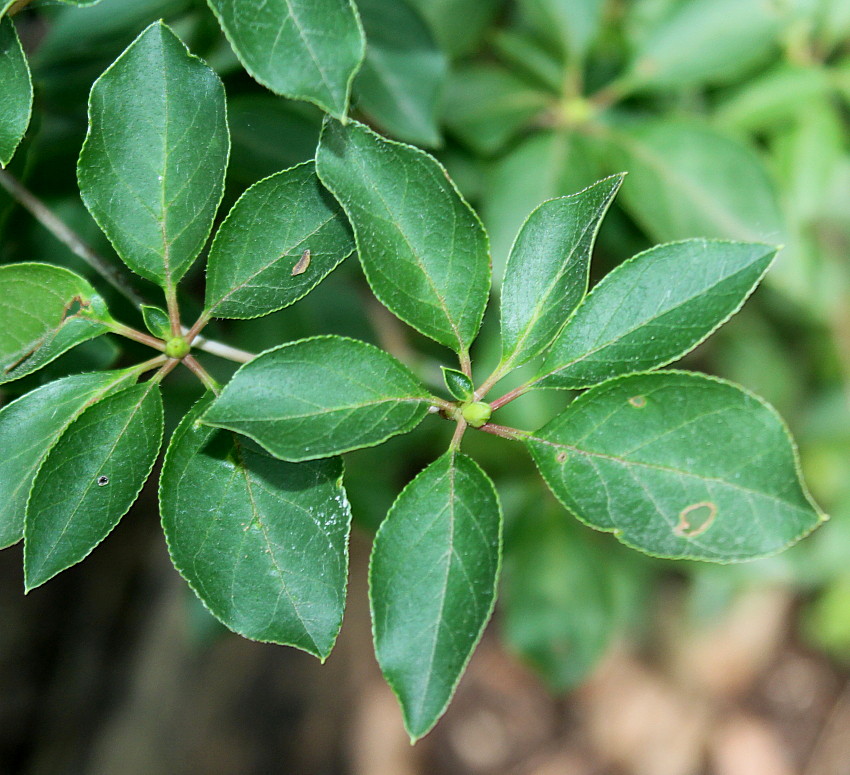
[177, 347]
[476, 413]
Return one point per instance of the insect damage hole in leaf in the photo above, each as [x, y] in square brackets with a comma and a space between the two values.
[695, 519]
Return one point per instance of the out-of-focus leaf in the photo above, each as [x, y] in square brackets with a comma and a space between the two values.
[443, 17]
[486, 105]
[304, 49]
[527, 55]
[403, 72]
[571, 24]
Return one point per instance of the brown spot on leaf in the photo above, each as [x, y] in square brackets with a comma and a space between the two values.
[692, 526]
[562, 457]
[302, 264]
[638, 402]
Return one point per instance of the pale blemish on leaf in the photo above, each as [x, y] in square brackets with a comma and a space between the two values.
[562, 457]
[691, 527]
[302, 264]
[638, 402]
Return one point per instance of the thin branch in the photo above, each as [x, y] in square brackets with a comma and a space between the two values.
[458, 434]
[153, 363]
[173, 310]
[66, 236]
[137, 336]
[169, 366]
[202, 374]
[510, 396]
[222, 350]
[198, 326]
[514, 434]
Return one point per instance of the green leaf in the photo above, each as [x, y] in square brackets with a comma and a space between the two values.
[654, 308]
[402, 74]
[572, 25]
[89, 480]
[257, 262]
[432, 584]
[548, 269]
[157, 321]
[678, 465]
[458, 384]
[15, 91]
[433, 272]
[687, 180]
[443, 15]
[543, 166]
[45, 311]
[151, 171]
[305, 49]
[486, 105]
[263, 543]
[707, 42]
[320, 397]
[30, 426]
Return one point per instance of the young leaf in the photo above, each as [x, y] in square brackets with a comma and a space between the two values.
[432, 584]
[89, 480]
[547, 272]
[458, 384]
[263, 543]
[151, 170]
[654, 308]
[304, 49]
[320, 397]
[402, 74]
[688, 180]
[30, 426]
[678, 465]
[253, 267]
[15, 91]
[157, 321]
[433, 272]
[45, 311]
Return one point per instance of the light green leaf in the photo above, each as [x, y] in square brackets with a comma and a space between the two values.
[403, 73]
[15, 91]
[30, 426]
[45, 311]
[443, 15]
[89, 480]
[304, 49]
[678, 465]
[157, 321]
[545, 165]
[572, 25]
[707, 42]
[432, 584]
[151, 171]
[433, 272]
[263, 543]
[257, 262]
[320, 397]
[654, 308]
[458, 384]
[687, 180]
[486, 105]
[548, 269]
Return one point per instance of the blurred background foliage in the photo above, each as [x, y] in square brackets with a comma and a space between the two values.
[731, 118]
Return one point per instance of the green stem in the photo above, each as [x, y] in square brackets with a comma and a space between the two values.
[137, 336]
[460, 429]
[153, 363]
[66, 236]
[510, 396]
[202, 374]
[514, 434]
[173, 310]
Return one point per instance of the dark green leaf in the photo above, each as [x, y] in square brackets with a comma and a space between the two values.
[432, 584]
[687, 180]
[257, 262]
[15, 91]
[151, 171]
[458, 384]
[157, 321]
[89, 480]
[402, 74]
[433, 272]
[547, 272]
[572, 25]
[305, 49]
[45, 311]
[263, 543]
[320, 397]
[486, 105]
[678, 465]
[30, 426]
[654, 308]
[443, 15]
